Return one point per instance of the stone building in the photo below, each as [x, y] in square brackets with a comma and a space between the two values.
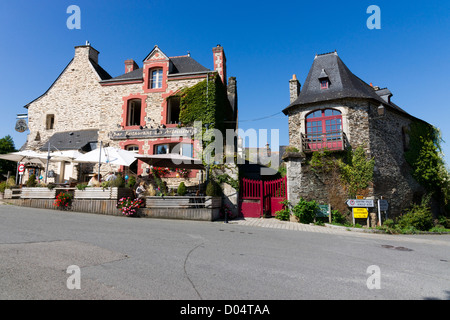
[336, 110]
[137, 111]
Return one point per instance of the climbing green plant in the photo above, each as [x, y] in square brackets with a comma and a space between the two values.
[424, 155]
[207, 102]
[357, 172]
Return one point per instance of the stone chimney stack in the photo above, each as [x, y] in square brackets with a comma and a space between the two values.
[86, 52]
[294, 88]
[220, 63]
[130, 65]
[232, 97]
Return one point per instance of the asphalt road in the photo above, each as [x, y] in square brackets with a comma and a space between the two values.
[138, 258]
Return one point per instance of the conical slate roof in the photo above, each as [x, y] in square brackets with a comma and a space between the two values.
[342, 84]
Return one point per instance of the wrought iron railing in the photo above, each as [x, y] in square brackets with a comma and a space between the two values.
[332, 141]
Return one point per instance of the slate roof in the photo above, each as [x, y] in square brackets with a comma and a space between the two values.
[181, 65]
[72, 140]
[342, 84]
[98, 69]
[186, 64]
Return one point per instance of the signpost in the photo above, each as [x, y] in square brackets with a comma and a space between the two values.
[360, 203]
[360, 208]
[21, 168]
[324, 211]
[360, 213]
[383, 205]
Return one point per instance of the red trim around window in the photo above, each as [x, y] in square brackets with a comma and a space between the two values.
[152, 145]
[164, 65]
[321, 137]
[126, 100]
[124, 144]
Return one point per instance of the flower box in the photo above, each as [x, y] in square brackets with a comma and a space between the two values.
[168, 202]
[37, 193]
[213, 202]
[103, 193]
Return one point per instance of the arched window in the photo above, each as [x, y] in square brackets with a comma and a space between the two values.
[324, 129]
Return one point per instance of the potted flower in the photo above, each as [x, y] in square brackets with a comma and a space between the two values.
[129, 206]
[63, 200]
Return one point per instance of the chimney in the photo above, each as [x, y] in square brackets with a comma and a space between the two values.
[294, 88]
[130, 65]
[232, 96]
[86, 52]
[220, 63]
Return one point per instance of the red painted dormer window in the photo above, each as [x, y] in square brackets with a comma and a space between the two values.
[323, 84]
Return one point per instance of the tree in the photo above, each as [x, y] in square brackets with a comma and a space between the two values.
[7, 146]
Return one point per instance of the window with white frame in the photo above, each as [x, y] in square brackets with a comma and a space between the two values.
[156, 76]
[133, 148]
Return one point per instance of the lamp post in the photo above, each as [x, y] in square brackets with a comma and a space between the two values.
[48, 160]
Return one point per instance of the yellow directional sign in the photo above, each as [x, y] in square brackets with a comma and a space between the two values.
[360, 213]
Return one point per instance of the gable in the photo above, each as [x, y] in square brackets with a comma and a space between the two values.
[156, 54]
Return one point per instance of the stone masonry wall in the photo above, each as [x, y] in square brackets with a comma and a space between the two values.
[381, 137]
[78, 102]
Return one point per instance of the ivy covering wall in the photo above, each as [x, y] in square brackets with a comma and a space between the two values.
[207, 101]
[425, 156]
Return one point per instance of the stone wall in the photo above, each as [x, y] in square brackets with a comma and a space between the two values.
[392, 174]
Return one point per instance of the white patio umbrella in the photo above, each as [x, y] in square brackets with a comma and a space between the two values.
[109, 155]
[66, 155]
[25, 156]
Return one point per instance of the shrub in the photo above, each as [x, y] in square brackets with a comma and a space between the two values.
[337, 217]
[131, 182]
[31, 182]
[10, 183]
[306, 211]
[2, 186]
[51, 186]
[212, 189]
[118, 182]
[283, 214]
[81, 186]
[418, 217]
[181, 189]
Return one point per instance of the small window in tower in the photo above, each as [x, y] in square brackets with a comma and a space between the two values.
[50, 122]
[324, 84]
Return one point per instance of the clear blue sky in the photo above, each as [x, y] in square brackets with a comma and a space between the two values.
[265, 43]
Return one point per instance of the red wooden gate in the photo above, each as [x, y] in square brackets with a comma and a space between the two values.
[259, 197]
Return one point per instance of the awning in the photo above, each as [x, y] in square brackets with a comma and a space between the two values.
[171, 160]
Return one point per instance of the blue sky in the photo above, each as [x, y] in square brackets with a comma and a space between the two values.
[265, 43]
